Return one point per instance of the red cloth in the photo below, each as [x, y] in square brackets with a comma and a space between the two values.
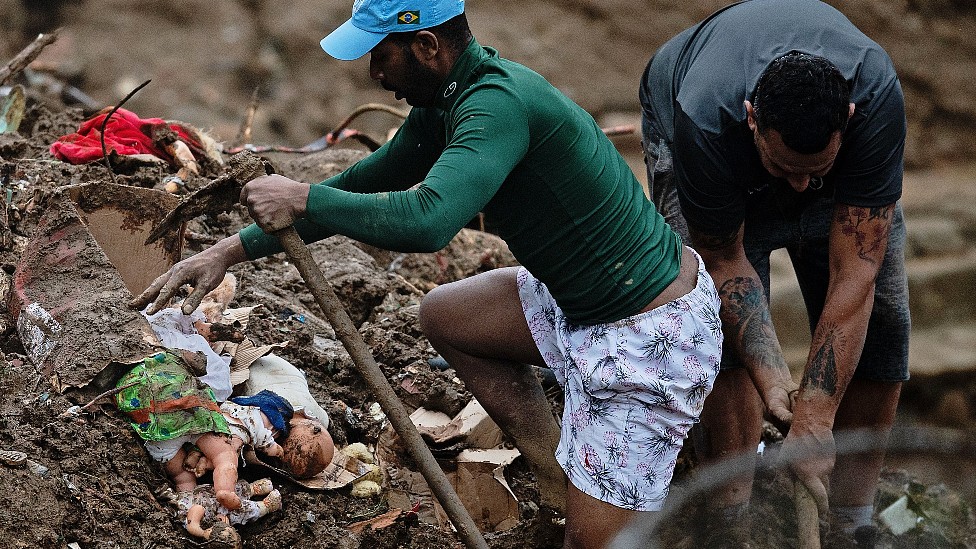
[126, 134]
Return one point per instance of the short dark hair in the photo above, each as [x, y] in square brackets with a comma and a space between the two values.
[805, 98]
[453, 33]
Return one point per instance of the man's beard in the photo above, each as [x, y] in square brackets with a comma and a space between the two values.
[420, 83]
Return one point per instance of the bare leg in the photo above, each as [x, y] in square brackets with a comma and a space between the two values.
[866, 405]
[222, 451]
[183, 479]
[731, 425]
[477, 325]
[585, 532]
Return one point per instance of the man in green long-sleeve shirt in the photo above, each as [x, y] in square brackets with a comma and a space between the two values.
[607, 295]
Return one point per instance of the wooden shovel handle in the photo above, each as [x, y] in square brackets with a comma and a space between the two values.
[807, 517]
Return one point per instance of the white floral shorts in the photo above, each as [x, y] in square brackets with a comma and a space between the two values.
[633, 388]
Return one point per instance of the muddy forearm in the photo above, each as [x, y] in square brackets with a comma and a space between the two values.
[229, 250]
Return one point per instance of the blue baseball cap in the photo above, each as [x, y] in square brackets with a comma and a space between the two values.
[372, 20]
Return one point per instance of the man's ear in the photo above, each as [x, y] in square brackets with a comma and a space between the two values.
[425, 45]
[850, 112]
[750, 115]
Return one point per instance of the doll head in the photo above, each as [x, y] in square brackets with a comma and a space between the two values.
[308, 448]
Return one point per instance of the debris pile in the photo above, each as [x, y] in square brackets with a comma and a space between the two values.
[72, 254]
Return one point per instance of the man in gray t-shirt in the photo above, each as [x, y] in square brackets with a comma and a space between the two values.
[778, 124]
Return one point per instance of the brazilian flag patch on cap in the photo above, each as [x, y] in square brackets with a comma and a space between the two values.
[408, 18]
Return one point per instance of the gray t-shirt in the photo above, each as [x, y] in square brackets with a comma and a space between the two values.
[692, 96]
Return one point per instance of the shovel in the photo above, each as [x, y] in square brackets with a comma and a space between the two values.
[807, 517]
[246, 166]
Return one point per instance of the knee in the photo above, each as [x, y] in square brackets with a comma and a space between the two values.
[433, 312]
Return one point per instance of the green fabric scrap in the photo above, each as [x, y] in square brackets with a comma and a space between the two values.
[163, 401]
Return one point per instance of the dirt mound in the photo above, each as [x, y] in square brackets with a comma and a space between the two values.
[89, 480]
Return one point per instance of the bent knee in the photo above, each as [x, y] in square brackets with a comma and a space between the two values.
[432, 308]
[443, 310]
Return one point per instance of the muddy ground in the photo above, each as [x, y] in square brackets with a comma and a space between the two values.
[205, 60]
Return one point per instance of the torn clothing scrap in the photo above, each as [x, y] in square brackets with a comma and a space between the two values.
[126, 134]
[165, 401]
[247, 424]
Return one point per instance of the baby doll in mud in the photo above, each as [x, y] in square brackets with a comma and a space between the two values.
[170, 408]
[200, 506]
[185, 428]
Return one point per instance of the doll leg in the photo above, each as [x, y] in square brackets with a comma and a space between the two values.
[261, 487]
[193, 518]
[271, 503]
[222, 452]
[183, 479]
[224, 536]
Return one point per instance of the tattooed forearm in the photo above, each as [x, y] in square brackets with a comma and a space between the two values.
[868, 226]
[821, 373]
[746, 317]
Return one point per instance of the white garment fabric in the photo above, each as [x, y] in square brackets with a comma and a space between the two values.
[247, 422]
[280, 376]
[175, 330]
[164, 450]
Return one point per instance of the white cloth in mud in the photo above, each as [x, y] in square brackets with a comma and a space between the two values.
[175, 330]
[277, 374]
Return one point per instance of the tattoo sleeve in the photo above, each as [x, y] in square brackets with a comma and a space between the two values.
[869, 227]
[745, 315]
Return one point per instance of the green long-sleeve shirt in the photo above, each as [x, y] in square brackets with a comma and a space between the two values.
[504, 141]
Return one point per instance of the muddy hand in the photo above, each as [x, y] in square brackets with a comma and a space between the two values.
[811, 457]
[779, 402]
[203, 271]
[196, 463]
[274, 201]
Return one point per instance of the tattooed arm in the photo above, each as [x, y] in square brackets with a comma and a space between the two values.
[746, 321]
[858, 241]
